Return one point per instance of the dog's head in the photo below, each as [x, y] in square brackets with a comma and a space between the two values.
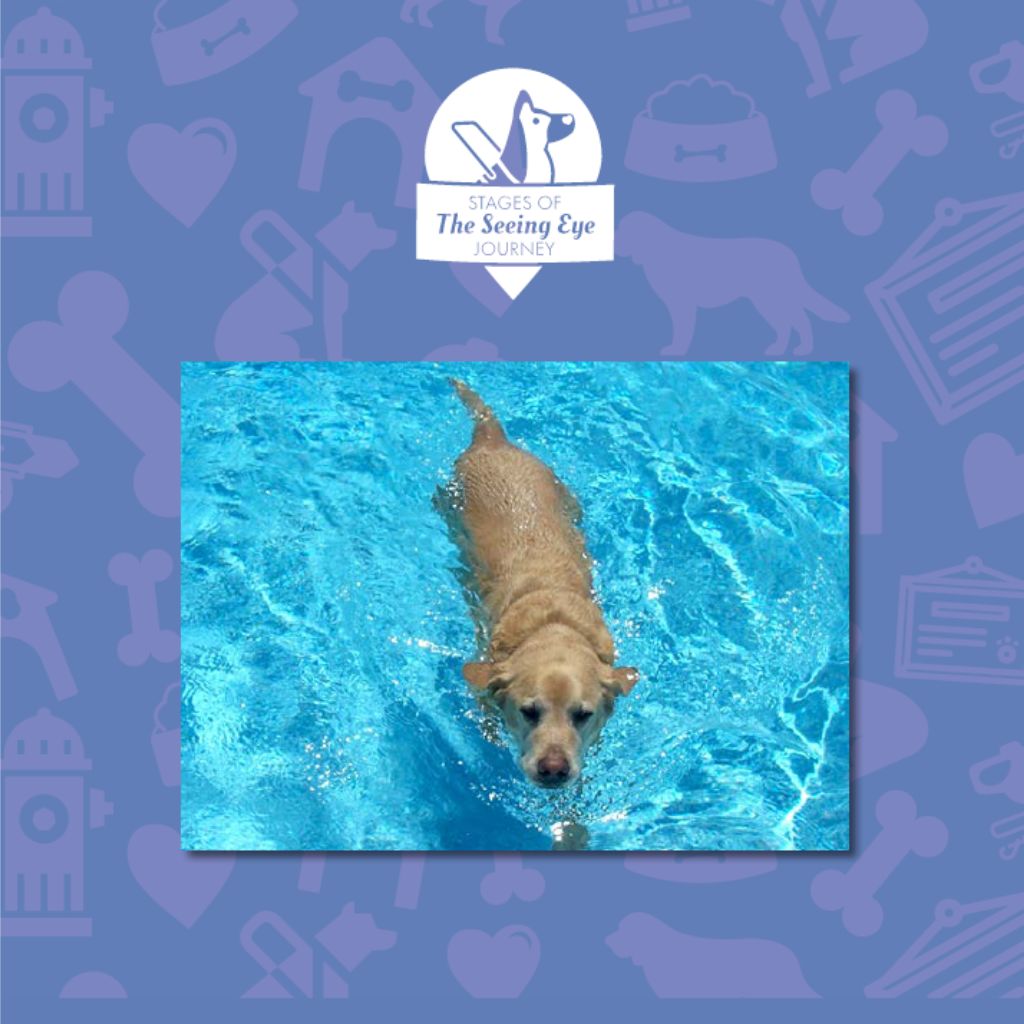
[354, 234]
[539, 126]
[555, 695]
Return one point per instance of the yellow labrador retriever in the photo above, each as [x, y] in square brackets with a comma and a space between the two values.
[550, 662]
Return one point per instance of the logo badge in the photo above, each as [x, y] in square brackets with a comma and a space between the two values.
[512, 157]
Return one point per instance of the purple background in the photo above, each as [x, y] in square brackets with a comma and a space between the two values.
[163, 214]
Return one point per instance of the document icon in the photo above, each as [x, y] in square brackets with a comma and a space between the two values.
[963, 624]
[954, 301]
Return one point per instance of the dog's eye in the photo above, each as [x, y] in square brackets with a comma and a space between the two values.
[531, 713]
[536, 120]
[581, 716]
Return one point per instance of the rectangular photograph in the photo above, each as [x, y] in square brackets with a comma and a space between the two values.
[515, 606]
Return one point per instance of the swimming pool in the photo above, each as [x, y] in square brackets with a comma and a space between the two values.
[324, 624]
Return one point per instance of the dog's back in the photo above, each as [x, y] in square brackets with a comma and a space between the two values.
[519, 515]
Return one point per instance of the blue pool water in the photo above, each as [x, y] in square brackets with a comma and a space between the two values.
[325, 625]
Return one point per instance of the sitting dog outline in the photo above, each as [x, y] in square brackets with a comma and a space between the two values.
[693, 272]
[550, 659]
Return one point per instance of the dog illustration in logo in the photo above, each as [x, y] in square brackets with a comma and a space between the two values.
[526, 158]
[527, 154]
[691, 272]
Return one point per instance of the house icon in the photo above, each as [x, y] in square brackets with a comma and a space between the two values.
[871, 433]
[379, 83]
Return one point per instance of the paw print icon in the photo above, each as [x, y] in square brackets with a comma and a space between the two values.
[1007, 650]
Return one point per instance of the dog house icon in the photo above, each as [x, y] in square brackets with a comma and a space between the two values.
[45, 810]
[46, 110]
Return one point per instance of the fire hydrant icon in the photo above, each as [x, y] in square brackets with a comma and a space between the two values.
[46, 111]
[46, 811]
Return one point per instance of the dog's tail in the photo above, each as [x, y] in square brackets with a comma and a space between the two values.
[822, 307]
[487, 425]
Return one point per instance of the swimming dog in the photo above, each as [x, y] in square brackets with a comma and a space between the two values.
[550, 663]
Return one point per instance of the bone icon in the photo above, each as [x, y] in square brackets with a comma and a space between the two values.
[682, 153]
[140, 577]
[509, 878]
[854, 892]
[241, 28]
[352, 87]
[902, 132]
[82, 349]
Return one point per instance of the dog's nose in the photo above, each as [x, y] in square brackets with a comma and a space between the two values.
[553, 769]
[561, 125]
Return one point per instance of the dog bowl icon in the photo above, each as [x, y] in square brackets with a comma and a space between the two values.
[700, 130]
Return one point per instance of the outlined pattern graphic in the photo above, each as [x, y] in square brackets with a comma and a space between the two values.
[1003, 73]
[954, 301]
[48, 812]
[962, 624]
[235, 179]
[47, 110]
[304, 285]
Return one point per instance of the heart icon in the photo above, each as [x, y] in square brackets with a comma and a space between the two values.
[494, 967]
[994, 477]
[183, 171]
[183, 884]
[888, 727]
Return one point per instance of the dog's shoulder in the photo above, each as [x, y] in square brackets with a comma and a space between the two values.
[546, 606]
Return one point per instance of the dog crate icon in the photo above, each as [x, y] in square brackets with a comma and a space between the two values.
[46, 110]
[46, 812]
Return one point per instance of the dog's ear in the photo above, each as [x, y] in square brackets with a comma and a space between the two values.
[484, 675]
[621, 680]
[477, 674]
